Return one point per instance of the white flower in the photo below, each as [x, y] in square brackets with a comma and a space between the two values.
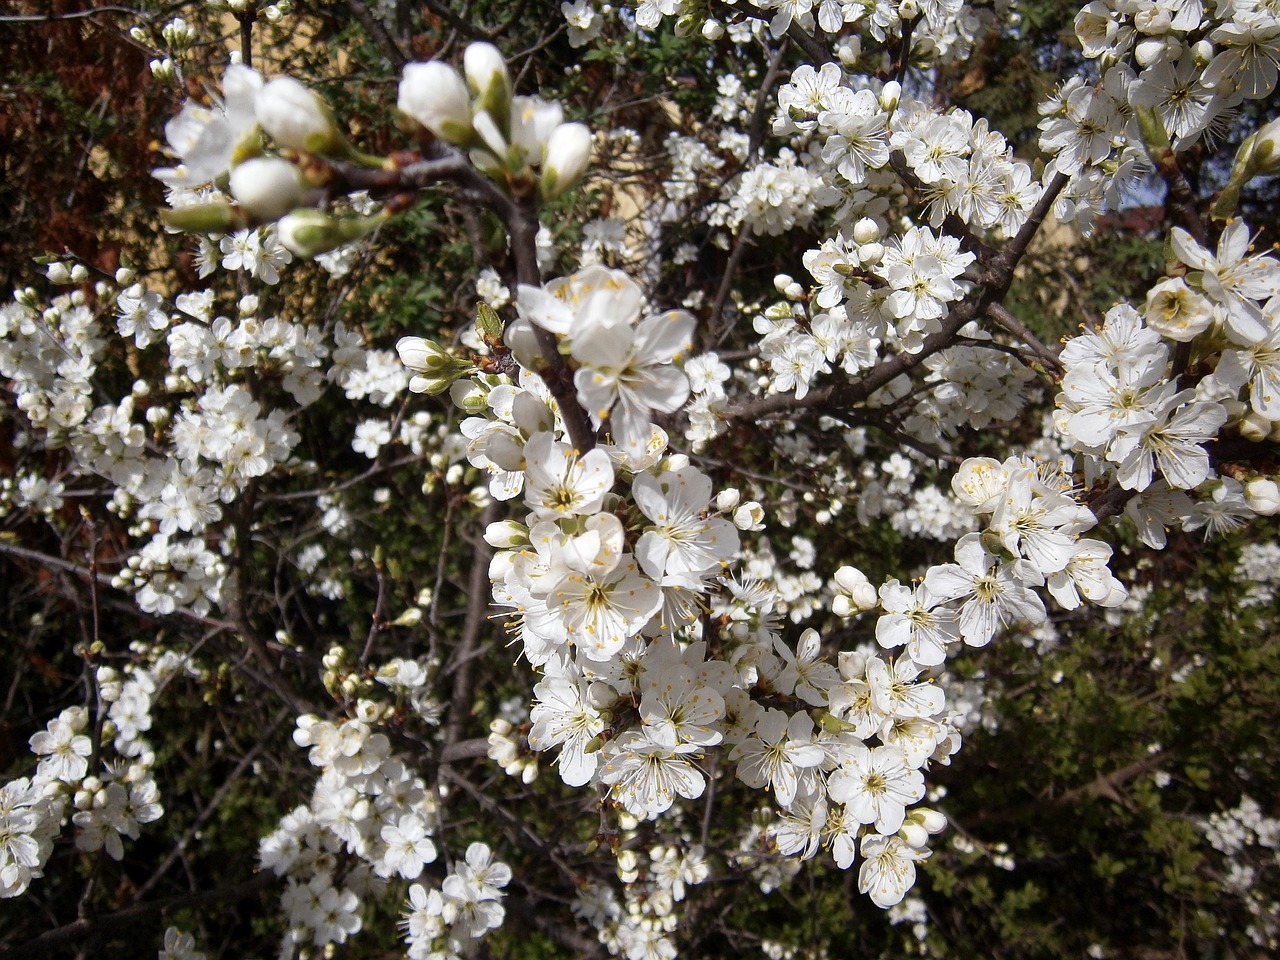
[599, 614]
[996, 598]
[559, 483]
[781, 753]
[408, 847]
[627, 372]
[916, 619]
[1233, 278]
[203, 139]
[888, 869]
[648, 775]
[876, 785]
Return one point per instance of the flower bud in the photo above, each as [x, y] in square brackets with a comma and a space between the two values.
[216, 216]
[506, 535]
[309, 233]
[727, 499]
[1266, 150]
[436, 96]
[178, 33]
[914, 834]
[848, 578]
[488, 79]
[866, 231]
[437, 369]
[410, 618]
[712, 30]
[565, 159]
[931, 820]
[1263, 496]
[1151, 50]
[58, 273]
[296, 118]
[162, 69]
[1255, 427]
[267, 187]
[870, 253]
[891, 94]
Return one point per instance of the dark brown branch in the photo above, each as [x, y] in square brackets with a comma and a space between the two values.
[1015, 327]
[478, 599]
[815, 51]
[379, 34]
[76, 935]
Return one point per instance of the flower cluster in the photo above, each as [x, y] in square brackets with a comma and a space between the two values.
[440, 923]
[106, 805]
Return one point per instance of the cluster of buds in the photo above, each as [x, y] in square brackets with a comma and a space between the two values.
[506, 136]
[854, 593]
[435, 369]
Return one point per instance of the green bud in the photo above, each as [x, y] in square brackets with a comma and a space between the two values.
[214, 217]
[488, 324]
[309, 233]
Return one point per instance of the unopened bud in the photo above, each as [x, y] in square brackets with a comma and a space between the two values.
[507, 535]
[298, 119]
[1263, 496]
[891, 94]
[410, 618]
[488, 79]
[866, 231]
[1255, 427]
[914, 834]
[216, 216]
[565, 159]
[267, 187]
[712, 30]
[437, 369]
[309, 233]
[726, 500]
[435, 95]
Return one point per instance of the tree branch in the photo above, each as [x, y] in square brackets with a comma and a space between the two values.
[93, 929]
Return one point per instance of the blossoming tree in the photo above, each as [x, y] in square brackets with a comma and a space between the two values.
[629, 581]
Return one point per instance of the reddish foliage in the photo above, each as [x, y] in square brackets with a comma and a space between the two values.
[72, 86]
